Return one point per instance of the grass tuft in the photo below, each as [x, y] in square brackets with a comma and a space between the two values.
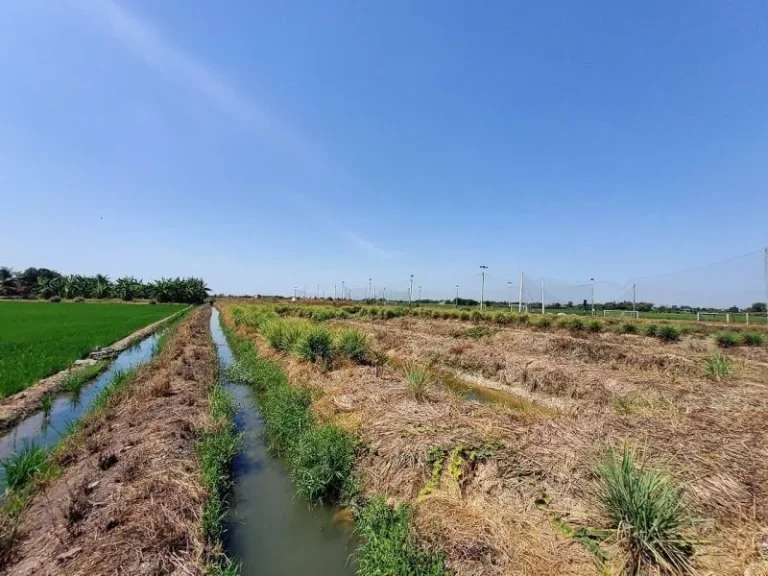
[668, 333]
[718, 366]
[390, 545]
[647, 509]
[595, 326]
[727, 339]
[353, 344]
[316, 344]
[24, 466]
[74, 382]
[322, 463]
[753, 339]
[418, 378]
[650, 330]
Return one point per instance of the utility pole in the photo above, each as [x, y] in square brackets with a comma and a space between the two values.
[343, 291]
[520, 298]
[634, 301]
[419, 292]
[592, 281]
[334, 292]
[318, 291]
[509, 285]
[457, 295]
[410, 291]
[483, 268]
[542, 296]
[294, 292]
[370, 294]
[384, 295]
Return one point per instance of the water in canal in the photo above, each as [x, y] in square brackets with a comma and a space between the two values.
[271, 531]
[67, 408]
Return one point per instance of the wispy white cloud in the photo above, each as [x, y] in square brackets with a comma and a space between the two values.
[367, 246]
[176, 65]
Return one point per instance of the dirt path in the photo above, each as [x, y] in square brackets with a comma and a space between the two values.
[22, 404]
[129, 499]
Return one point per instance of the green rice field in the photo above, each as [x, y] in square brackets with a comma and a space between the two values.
[38, 339]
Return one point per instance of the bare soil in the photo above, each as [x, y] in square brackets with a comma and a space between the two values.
[129, 499]
[20, 405]
[522, 481]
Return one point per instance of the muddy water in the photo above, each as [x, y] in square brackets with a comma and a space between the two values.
[272, 532]
[68, 407]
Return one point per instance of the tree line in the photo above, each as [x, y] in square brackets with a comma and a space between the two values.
[45, 283]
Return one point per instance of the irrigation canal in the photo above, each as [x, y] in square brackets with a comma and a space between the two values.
[271, 531]
[46, 431]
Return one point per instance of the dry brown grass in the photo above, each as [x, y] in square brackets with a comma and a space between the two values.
[129, 499]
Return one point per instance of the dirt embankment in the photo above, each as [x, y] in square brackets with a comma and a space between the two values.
[129, 500]
[22, 404]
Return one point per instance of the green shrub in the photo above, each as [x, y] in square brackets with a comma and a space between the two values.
[650, 330]
[668, 333]
[727, 339]
[353, 344]
[476, 315]
[390, 546]
[418, 378]
[322, 463]
[544, 322]
[576, 324]
[718, 366]
[24, 466]
[523, 319]
[465, 315]
[595, 326]
[647, 507]
[316, 344]
[753, 339]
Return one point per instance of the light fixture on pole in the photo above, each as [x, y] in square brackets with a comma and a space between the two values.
[483, 268]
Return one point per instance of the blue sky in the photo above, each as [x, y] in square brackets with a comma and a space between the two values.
[267, 145]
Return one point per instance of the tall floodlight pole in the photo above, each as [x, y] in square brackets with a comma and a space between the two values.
[343, 291]
[592, 281]
[384, 295]
[410, 291]
[318, 290]
[294, 292]
[509, 298]
[483, 268]
[542, 296]
[634, 301]
[457, 295]
[370, 294]
[419, 293]
[520, 298]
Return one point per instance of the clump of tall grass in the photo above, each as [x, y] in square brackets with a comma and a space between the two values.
[650, 330]
[646, 507]
[718, 366]
[380, 361]
[727, 339]
[668, 333]
[75, 381]
[576, 324]
[544, 322]
[322, 463]
[46, 403]
[315, 345]
[625, 328]
[353, 344]
[25, 465]
[216, 449]
[465, 315]
[418, 378]
[595, 326]
[389, 544]
[753, 339]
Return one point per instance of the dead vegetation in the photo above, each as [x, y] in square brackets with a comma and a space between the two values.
[129, 498]
[508, 489]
